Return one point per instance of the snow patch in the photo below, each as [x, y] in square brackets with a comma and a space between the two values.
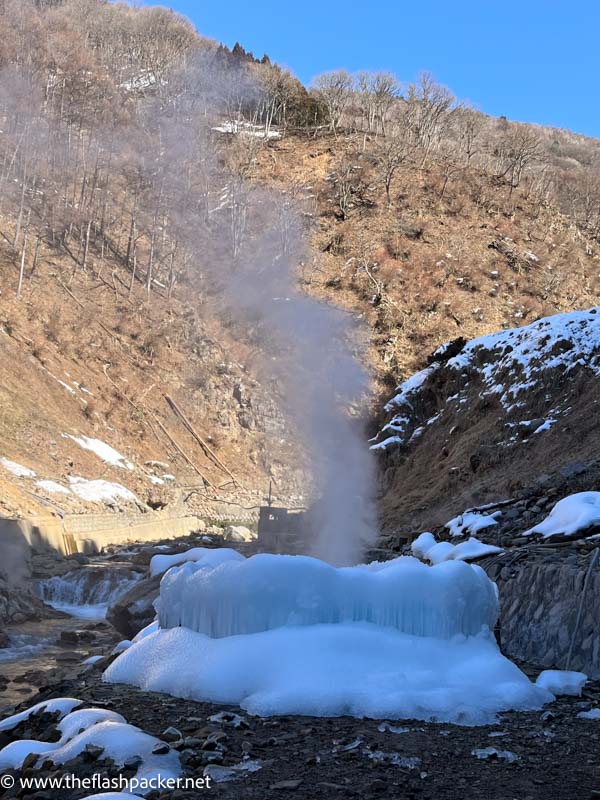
[102, 450]
[561, 682]
[471, 521]
[16, 469]
[569, 516]
[53, 487]
[100, 491]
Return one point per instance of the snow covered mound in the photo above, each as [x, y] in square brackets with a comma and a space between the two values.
[293, 635]
[575, 513]
[561, 341]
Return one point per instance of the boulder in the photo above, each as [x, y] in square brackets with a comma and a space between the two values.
[239, 533]
[135, 609]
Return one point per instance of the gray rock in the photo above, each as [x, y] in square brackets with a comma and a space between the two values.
[239, 533]
[135, 609]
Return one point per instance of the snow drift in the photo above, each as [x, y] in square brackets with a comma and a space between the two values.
[571, 515]
[293, 635]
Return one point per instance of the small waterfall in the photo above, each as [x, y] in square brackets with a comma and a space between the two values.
[87, 591]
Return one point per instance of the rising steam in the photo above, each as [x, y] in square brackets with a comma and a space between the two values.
[243, 245]
[249, 247]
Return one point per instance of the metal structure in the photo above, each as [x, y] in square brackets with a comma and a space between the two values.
[280, 530]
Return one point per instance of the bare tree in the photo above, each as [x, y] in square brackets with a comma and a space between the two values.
[334, 89]
[427, 110]
[519, 148]
[469, 125]
[389, 153]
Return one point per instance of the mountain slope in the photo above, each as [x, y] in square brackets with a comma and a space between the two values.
[496, 417]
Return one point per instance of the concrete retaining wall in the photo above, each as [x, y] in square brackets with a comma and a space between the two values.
[540, 598]
[90, 532]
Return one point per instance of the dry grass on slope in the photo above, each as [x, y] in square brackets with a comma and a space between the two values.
[455, 254]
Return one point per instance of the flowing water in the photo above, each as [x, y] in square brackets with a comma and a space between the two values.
[38, 648]
[87, 592]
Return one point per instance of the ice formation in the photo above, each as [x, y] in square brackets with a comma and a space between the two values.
[244, 596]
[293, 635]
[86, 593]
[593, 713]
[572, 514]
[208, 557]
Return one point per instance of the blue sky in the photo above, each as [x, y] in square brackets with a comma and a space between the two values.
[530, 60]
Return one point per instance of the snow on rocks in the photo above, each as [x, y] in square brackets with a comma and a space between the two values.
[102, 450]
[59, 705]
[426, 548]
[395, 431]
[506, 365]
[16, 469]
[207, 557]
[562, 682]
[293, 635]
[471, 521]
[571, 515]
[95, 727]
[561, 341]
[593, 713]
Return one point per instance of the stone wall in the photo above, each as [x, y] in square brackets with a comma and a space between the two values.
[540, 597]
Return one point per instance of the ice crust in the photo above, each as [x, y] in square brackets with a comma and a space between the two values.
[208, 557]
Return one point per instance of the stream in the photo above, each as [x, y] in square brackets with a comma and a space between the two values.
[38, 649]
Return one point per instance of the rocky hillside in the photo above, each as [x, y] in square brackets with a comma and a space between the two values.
[105, 403]
[504, 416]
[118, 368]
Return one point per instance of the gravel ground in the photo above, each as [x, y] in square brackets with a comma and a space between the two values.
[548, 754]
